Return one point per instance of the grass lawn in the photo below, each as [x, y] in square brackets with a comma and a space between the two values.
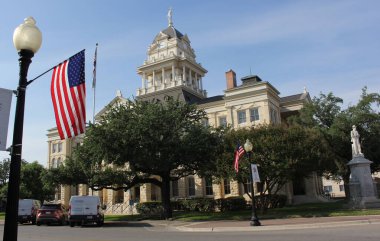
[295, 211]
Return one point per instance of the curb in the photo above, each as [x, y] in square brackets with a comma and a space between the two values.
[188, 228]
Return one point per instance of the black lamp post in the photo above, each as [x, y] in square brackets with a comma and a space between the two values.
[254, 219]
[27, 40]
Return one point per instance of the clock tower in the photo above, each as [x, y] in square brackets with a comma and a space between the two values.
[170, 68]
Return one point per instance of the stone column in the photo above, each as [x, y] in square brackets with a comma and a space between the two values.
[217, 190]
[163, 77]
[190, 77]
[234, 186]
[154, 80]
[145, 191]
[183, 74]
[198, 186]
[182, 188]
[143, 81]
[173, 74]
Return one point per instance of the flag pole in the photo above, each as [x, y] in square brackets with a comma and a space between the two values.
[30, 81]
[94, 83]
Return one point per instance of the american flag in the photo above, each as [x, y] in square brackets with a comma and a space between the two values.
[238, 153]
[68, 93]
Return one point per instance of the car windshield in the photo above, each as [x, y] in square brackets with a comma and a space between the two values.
[51, 206]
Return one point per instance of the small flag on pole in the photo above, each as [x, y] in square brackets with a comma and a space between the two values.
[238, 154]
[68, 93]
[94, 71]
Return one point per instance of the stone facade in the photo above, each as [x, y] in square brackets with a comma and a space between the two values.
[171, 69]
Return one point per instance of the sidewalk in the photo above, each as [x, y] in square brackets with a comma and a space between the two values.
[277, 224]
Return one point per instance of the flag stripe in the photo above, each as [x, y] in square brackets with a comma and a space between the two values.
[55, 101]
[69, 95]
[67, 103]
[238, 154]
[62, 111]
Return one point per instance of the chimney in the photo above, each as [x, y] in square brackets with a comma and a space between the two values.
[231, 79]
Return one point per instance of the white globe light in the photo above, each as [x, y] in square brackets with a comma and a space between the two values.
[248, 146]
[27, 36]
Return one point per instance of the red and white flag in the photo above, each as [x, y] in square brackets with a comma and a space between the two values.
[68, 93]
[238, 154]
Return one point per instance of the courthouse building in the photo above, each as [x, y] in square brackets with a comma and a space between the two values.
[171, 69]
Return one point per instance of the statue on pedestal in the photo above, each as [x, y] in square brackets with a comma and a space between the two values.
[355, 143]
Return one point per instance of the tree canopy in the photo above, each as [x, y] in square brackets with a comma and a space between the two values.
[325, 114]
[282, 153]
[32, 182]
[139, 141]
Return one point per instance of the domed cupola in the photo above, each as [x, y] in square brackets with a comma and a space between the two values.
[171, 62]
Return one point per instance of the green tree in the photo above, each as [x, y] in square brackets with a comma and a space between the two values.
[4, 171]
[143, 142]
[282, 153]
[326, 115]
[32, 183]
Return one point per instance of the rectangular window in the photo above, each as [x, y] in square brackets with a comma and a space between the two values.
[241, 117]
[273, 115]
[254, 114]
[208, 186]
[191, 186]
[327, 188]
[54, 148]
[223, 121]
[59, 147]
[175, 188]
[247, 186]
[341, 188]
[227, 187]
[205, 122]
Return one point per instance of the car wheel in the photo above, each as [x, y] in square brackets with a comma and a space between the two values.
[72, 224]
[38, 223]
[34, 222]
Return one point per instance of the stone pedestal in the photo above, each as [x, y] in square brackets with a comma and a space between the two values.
[363, 192]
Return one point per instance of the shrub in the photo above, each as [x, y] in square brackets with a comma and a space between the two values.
[195, 204]
[150, 208]
[231, 203]
[267, 201]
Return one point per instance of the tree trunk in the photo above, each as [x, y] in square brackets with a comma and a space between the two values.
[346, 181]
[165, 197]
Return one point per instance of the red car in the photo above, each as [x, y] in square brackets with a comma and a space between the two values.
[52, 213]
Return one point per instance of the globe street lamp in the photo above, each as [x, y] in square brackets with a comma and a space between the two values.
[254, 219]
[27, 40]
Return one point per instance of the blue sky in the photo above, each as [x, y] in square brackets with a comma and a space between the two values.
[325, 46]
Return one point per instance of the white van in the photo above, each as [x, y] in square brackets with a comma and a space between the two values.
[85, 209]
[27, 210]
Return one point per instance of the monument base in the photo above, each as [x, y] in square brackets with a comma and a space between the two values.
[363, 192]
[364, 203]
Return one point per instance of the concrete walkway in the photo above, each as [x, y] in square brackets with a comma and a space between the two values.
[276, 224]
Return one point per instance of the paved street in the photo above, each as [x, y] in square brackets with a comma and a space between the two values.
[360, 228]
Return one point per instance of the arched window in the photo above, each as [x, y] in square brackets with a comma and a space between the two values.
[53, 163]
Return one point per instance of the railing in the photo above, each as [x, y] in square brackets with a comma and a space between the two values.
[121, 208]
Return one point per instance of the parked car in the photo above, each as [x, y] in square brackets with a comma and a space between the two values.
[27, 210]
[84, 210]
[52, 213]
